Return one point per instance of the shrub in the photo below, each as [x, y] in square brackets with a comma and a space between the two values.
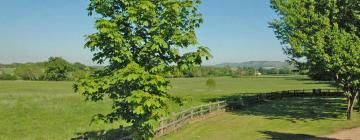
[79, 74]
[211, 83]
[6, 76]
[29, 72]
[57, 69]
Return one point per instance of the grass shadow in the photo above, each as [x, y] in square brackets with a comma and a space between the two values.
[299, 109]
[103, 134]
[307, 80]
[292, 109]
[289, 136]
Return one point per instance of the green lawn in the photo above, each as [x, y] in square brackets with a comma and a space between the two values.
[51, 110]
[292, 118]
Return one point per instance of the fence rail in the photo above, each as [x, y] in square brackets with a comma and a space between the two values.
[175, 121]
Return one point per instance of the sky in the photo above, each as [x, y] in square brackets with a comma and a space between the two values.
[34, 30]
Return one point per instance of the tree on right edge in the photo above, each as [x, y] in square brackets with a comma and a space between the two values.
[323, 34]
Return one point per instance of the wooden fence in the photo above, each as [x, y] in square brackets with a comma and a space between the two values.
[175, 121]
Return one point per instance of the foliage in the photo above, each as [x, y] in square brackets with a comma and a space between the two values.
[211, 83]
[326, 34]
[57, 69]
[140, 40]
[210, 71]
[29, 72]
[80, 71]
[79, 74]
[7, 76]
[320, 75]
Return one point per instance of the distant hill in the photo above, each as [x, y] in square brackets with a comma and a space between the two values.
[257, 64]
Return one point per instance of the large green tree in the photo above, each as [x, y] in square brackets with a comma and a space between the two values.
[57, 69]
[140, 40]
[324, 36]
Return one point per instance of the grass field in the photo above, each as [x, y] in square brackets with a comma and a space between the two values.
[51, 110]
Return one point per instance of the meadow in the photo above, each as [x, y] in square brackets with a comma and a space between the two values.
[51, 110]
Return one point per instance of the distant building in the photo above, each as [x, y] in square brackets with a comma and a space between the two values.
[268, 68]
[257, 74]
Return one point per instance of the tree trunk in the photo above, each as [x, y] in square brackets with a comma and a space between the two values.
[358, 103]
[351, 101]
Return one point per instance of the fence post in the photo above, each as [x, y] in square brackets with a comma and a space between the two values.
[210, 108]
[303, 92]
[161, 127]
[192, 113]
[183, 120]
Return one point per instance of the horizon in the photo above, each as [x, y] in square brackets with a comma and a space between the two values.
[223, 63]
[34, 31]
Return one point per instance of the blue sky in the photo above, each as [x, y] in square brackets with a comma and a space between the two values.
[33, 30]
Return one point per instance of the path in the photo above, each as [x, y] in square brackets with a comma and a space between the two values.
[349, 134]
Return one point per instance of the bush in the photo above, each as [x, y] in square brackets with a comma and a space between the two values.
[58, 69]
[6, 76]
[79, 74]
[211, 83]
[29, 72]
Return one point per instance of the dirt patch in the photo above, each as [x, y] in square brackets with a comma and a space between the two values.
[349, 134]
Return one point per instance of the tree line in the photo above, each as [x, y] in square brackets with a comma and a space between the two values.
[58, 69]
[54, 69]
[210, 71]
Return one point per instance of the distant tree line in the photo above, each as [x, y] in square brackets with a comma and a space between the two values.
[210, 71]
[55, 69]
[58, 69]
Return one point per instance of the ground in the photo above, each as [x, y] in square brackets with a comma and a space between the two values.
[51, 110]
[349, 134]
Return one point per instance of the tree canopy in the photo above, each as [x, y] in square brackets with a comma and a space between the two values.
[57, 69]
[141, 41]
[323, 35]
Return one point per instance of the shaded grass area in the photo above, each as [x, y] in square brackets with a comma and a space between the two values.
[51, 110]
[300, 109]
[111, 134]
[288, 118]
[286, 136]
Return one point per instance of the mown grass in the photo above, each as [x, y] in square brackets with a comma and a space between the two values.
[292, 118]
[51, 110]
